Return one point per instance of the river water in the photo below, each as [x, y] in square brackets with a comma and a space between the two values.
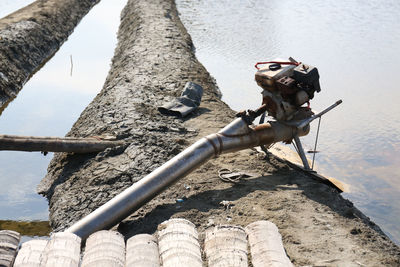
[353, 43]
[355, 46]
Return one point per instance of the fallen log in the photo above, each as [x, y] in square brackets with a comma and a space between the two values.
[56, 144]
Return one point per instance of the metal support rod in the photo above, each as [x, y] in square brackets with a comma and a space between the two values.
[234, 137]
[300, 150]
[315, 145]
[307, 121]
[55, 144]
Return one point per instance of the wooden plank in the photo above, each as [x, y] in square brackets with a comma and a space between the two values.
[55, 144]
[104, 248]
[178, 244]
[266, 245]
[142, 251]
[289, 157]
[9, 241]
[30, 253]
[63, 250]
[225, 246]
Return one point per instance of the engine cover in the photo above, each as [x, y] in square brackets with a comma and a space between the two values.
[287, 86]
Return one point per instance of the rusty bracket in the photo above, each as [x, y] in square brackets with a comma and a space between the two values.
[250, 115]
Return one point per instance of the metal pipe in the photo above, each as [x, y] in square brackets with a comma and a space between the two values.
[235, 136]
[300, 150]
[307, 121]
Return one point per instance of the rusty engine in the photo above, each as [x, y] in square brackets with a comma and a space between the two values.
[288, 86]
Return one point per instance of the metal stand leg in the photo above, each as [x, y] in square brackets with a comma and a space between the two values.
[302, 155]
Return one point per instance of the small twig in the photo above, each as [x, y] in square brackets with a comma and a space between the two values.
[72, 64]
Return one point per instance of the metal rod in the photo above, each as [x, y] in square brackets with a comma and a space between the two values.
[234, 137]
[55, 144]
[302, 155]
[307, 121]
[315, 145]
[295, 147]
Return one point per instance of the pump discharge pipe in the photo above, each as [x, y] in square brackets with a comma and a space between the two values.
[237, 135]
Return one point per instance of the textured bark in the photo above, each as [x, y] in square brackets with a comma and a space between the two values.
[9, 241]
[266, 247]
[104, 248]
[142, 251]
[30, 253]
[153, 61]
[178, 243]
[226, 245]
[30, 36]
[62, 250]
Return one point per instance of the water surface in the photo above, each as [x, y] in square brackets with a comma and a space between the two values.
[355, 45]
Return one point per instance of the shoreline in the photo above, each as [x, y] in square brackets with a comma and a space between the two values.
[316, 223]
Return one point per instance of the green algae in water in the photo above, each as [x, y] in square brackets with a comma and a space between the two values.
[27, 228]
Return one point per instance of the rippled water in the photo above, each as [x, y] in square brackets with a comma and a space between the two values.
[355, 45]
[51, 102]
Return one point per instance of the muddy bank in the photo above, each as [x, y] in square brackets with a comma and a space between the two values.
[152, 62]
[30, 36]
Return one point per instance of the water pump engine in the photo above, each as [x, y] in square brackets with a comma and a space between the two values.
[287, 85]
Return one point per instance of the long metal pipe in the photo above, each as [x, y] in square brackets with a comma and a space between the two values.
[234, 137]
